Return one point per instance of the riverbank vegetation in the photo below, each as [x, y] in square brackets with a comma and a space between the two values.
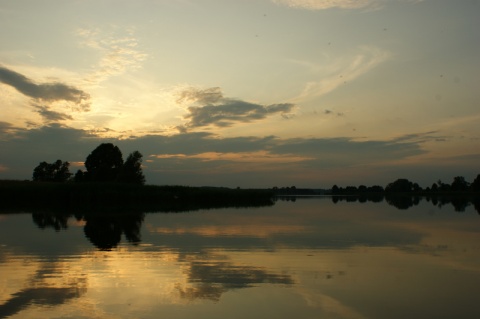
[404, 186]
[111, 184]
[71, 196]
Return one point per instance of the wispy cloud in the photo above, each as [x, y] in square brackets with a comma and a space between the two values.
[340, 4]
[342, 71]
[261, 156]
[45, 92]
[119, 53]
[328, 4]
[211, 108]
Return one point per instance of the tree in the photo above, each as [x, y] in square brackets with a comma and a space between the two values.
[476, 184]
[54, 172]
[362, 189]
[79, 176]
[104, 163]
[132, 169]
[459, 184]
[335, 189]
[401, 185]
[416, 187]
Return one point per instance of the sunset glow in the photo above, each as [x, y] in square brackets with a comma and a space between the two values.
[297, 90]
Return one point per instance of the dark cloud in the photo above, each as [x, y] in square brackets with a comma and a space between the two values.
[344, 151]
[231, 112]
[52, 116]
[202, 158]
[420, 137]
[48, 92]
[212, 108]
[7, 130]
[5, 126]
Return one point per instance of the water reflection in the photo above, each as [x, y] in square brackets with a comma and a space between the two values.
[459, 203]
[105, 231]
[210, 279]
[57, 221]
[42, 292]
[45, 296]
[305, 258]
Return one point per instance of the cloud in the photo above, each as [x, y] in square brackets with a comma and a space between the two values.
[231, 112]
[328, 4]
[203, 158]
[51, 116]
[340, 4]
[207, 96]
[344, 70]
[260, 156]
[46, 92]
[6, 128]
[330, 112]
[338, 152]
[214, 109]
[119, 52]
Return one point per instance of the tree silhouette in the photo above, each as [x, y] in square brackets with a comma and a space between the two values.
[459, 184]
[104, 163]
[475, 186]
[131, 171]
[54, 172]
[79, 176]
[105, 231]
[401, 185]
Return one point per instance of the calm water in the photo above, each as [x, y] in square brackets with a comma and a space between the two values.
[305, 259]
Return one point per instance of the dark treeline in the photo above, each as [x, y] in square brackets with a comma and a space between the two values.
[118, 197]
[404, 194]
[404, 186]
[109, 183]
[293, 190]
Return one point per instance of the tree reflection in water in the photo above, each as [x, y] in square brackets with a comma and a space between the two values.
[103, 230]
[56, 221]
[403, 202]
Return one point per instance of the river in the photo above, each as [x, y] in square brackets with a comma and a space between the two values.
[304, 258]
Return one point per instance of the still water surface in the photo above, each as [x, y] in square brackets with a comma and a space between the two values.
[310, 258]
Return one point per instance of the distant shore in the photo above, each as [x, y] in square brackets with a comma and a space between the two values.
[73, 196]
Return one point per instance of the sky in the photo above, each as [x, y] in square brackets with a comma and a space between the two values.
[245, 93]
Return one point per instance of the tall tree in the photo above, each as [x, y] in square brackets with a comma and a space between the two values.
[132, 169]
[104, 163]
[459, 184]
[52, 172]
